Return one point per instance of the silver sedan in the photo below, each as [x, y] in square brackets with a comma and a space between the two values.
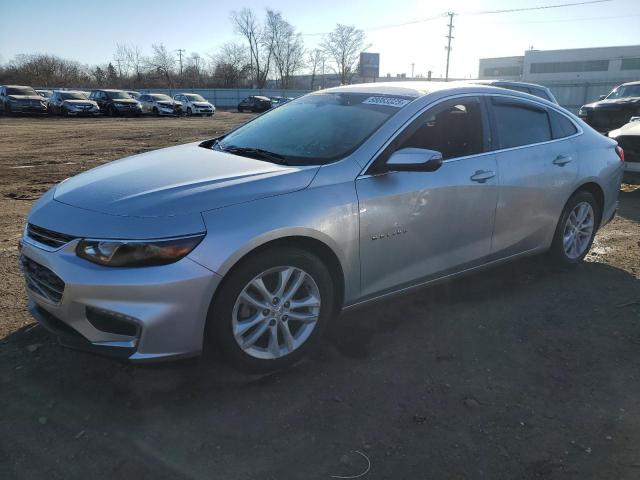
[255, 240]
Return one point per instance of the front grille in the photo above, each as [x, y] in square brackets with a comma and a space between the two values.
[48, 237]
[41, 280]
[631, 146]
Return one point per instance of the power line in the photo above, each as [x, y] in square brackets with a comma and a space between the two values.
[527, 9]
[470, 13]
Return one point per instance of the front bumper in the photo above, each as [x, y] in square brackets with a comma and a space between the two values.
[83, 113]
[165, 306]
[28, 108]
[133, 111]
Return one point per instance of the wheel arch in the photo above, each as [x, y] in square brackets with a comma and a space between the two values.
[305, 240]
[597, 191]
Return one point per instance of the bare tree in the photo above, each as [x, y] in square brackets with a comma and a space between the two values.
[343, 46]
[231, 64]
[162, 62]
[122, 60]
[315, 58]
[193, 68]
[286, 46]
[246, 24]
[136, 61]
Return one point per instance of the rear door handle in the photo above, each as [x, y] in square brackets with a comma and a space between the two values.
[562, 160]
[482, 176]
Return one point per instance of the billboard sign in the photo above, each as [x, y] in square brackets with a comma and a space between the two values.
[369, 65]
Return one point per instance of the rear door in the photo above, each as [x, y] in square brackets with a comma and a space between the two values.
[420, 225]
[538, 166]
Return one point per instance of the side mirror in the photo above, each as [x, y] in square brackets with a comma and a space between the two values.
[414, 160]
[602, 97]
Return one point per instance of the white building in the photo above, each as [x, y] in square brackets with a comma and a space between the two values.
[575, 76]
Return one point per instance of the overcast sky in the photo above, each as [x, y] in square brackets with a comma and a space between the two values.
[89, 30]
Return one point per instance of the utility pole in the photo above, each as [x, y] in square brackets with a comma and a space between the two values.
[180, 50]
[448, 47]
[412, 65]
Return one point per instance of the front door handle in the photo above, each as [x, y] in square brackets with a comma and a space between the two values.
[482, 176]
[562, 160]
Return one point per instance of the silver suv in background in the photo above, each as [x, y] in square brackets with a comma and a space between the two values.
[194, 104]
[70, 103]
[159, 104]
[257, 239]
[531, 88]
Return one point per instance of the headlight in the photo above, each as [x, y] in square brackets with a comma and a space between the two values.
[136, 253]
[582, 112]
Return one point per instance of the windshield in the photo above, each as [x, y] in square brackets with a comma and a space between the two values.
[21, 91]
[161, 97]
[72, 96]
[625, 91]
[318, 128]
[195, 98]
[119, 95]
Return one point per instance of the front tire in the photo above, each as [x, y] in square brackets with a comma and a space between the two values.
[189, 112]
[576, 229]
[271, 309]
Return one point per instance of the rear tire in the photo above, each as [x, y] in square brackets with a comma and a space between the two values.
[275, 312]
[576, 229]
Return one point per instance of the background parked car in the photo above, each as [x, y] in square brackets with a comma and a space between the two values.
[21, 99]
[44, 93]
[133, 94]
[116, 102]
[72, 103]
[614, 110]
[278, 101]
[159, 104]
[255, 103]
[531, 88]
[194, 104]
[628, 137]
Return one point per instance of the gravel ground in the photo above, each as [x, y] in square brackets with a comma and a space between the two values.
[524, 371]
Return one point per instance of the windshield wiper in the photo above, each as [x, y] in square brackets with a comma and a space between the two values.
[257, 153]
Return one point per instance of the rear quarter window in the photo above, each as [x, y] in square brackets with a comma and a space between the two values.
[561, 126]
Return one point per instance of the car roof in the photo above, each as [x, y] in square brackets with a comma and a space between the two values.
[108, 90]
[417, 88]
[17, 86]
[261, 97]
[637, 82]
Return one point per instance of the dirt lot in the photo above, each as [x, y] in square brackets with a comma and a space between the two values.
[520, 372]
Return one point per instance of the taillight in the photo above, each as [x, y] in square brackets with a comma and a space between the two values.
[620, 153]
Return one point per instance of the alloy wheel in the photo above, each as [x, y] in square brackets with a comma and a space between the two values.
[578, 230]
[276, 312]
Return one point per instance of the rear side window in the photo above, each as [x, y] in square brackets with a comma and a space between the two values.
[562, 127]
[520, 123]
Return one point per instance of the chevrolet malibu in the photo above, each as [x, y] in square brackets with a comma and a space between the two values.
[255, 240]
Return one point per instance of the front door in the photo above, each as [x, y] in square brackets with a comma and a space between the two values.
[420, 225]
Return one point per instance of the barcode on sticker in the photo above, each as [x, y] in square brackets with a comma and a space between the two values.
[387, 101]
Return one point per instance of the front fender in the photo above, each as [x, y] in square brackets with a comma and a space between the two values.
[328, 214]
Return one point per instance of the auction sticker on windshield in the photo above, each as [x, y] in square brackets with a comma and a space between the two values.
[388, 101]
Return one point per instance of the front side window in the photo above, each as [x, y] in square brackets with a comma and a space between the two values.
[519, 123]
[317, 128]
[454, 128]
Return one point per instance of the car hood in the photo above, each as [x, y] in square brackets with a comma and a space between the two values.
[124, 100]
[80, 102]
[179, 180]
[612, 103]
[26, 97]
[630, 129]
